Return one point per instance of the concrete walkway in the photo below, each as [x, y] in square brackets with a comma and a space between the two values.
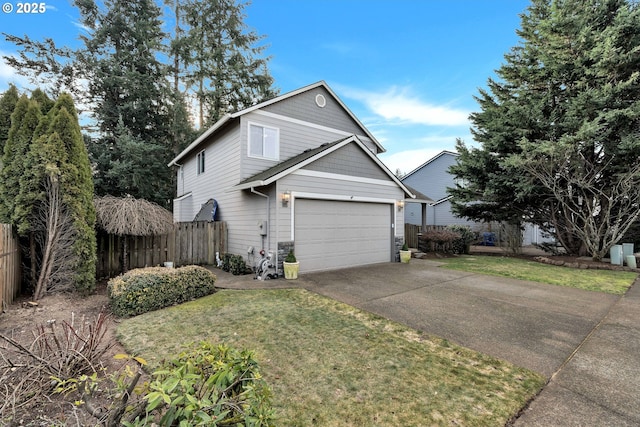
[587, 343]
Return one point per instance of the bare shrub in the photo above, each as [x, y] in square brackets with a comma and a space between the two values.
[28, 374]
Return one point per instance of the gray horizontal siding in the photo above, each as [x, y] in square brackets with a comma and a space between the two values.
[303, 107]
[221, 173]
[434, 178]
[349, 160]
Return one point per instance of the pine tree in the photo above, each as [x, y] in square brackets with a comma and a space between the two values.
[559, 131]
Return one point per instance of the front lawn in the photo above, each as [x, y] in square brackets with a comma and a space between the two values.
[330, 364]
[612, 282]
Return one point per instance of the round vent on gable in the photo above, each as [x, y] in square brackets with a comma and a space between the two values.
[320, 101]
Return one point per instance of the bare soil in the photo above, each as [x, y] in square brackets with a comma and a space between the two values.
[19, 322]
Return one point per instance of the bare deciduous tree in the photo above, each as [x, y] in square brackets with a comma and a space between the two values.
[586, 192]
[56, 239]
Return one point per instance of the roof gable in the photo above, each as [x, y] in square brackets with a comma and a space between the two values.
[283, 169]
[277, 104]
[431, 160]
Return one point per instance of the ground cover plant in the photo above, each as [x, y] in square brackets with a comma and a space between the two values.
[330, 364]
[613, 282]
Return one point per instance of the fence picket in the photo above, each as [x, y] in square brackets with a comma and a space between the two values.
[9, 266]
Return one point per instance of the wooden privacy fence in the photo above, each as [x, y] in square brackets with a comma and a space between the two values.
[9, 266]
[189, 243]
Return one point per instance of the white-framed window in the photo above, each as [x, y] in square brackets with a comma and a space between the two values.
[264, 142]
[200, 162]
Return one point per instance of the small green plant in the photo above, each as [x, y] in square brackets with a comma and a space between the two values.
[290, 257]
[208, 384]
[234, 264]
[405, 247]
[462, 244]
[146, 289]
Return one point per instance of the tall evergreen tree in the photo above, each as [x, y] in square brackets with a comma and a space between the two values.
[8, 103]
[24, 121]
[223, 61]
[559, 130]
[140, 77]
[129, 88]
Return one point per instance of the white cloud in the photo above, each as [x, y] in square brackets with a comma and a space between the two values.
[9, 75]
[400, 106]
[408, 160]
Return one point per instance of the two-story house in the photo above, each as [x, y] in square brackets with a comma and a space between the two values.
[298, 171]
[433, 178]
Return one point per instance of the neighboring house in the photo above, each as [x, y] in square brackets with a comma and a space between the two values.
[301, 172]
[433, 178]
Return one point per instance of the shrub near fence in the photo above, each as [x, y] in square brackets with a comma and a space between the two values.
[9, 266]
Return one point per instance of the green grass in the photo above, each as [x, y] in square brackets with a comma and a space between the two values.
[612, 282]
[330, 364]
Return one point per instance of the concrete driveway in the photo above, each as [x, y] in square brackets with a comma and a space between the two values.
[529, 324]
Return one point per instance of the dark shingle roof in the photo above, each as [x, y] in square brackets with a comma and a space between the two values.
[291, 162]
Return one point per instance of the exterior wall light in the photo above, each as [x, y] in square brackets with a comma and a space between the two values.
[400, 205]
[285, 198]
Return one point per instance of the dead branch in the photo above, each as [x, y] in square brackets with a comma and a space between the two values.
[131, 216]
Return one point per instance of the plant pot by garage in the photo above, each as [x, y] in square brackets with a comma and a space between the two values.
[291, 269]
[291, 266]
[405, 256]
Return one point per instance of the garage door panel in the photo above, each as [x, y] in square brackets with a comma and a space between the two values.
[336, 234]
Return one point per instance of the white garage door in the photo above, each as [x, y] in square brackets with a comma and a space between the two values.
[332, 234]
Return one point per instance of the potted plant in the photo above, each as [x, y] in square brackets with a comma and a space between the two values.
[291, 266]
[405, 253]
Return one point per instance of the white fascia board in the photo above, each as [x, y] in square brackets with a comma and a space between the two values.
[323, 84]
[304, 123]
[385, 168]
[295, 167]
[440, 154]
[201, 138]
[342, 177]
[184, 196]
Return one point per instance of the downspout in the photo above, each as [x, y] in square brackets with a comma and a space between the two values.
[268, 219]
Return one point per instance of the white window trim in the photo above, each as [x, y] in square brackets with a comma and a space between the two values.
[249, 124]
[198, 171]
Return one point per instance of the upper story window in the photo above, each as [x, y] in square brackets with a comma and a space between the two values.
[264, 142]
[200, 161]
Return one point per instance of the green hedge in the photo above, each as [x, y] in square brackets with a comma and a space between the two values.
[147, 289]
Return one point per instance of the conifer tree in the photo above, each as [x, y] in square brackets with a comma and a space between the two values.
[222, 56]
[24, 121]
[559, 130]
[8, 103]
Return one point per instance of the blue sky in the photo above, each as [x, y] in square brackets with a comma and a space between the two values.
[407, 68]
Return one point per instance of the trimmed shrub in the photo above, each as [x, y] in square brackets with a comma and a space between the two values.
[461, 245]
[209, 385]
[147, 289]
[234, 264]
[440, 240]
